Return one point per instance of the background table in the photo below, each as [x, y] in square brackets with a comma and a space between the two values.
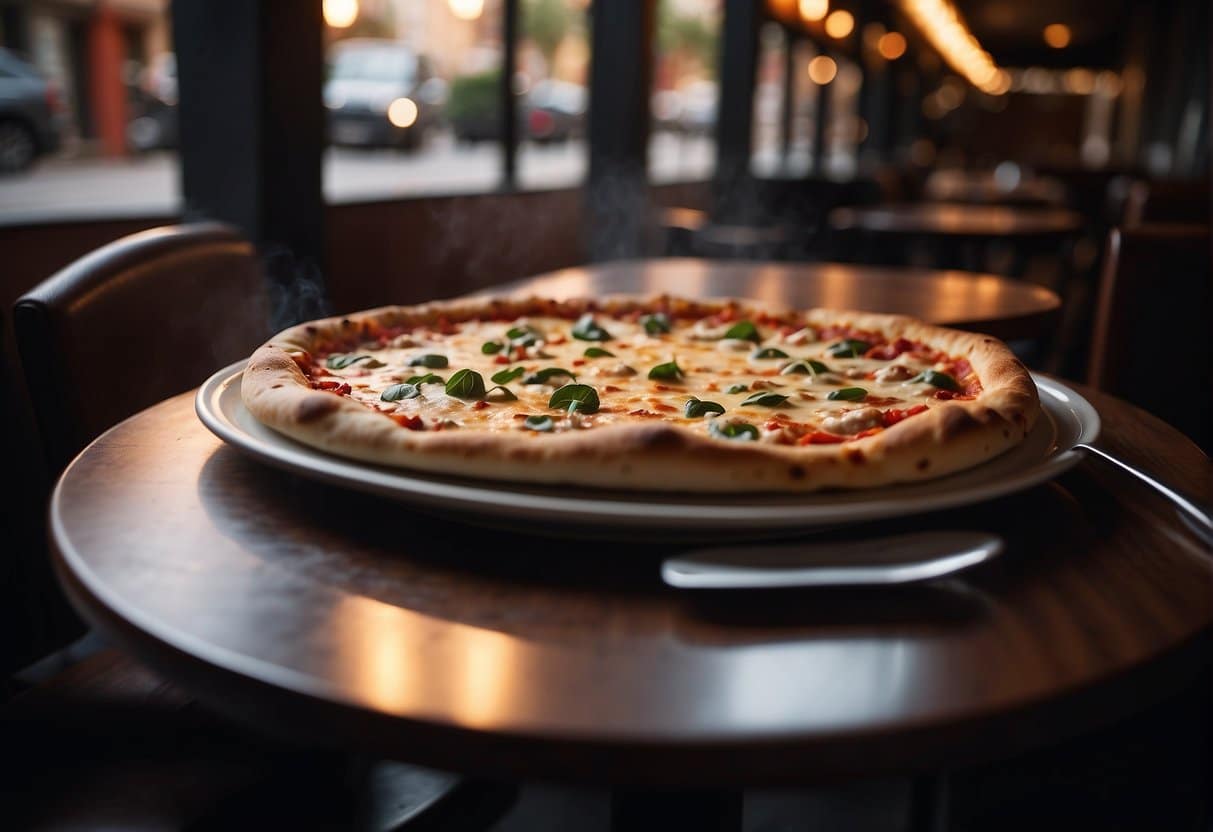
[943, 219]
[1000, 306]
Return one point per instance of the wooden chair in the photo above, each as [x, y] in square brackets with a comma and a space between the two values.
[1151, 340]
[133, 323]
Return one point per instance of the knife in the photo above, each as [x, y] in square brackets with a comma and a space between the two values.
[883, 561]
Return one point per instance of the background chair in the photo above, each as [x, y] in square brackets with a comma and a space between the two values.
[1167, 201]
[1151, 340]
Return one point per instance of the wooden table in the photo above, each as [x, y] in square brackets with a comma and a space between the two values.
[342, 618]
[1007, 308]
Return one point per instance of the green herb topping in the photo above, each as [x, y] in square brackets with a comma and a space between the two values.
[539, 424]
[597, 352]
[744, 331]
[506, 376]
[849, 348]
[465, 384]
[434, 362]
[400, 391]
[491, 347]
[733, 430]
[807, 367]
[656, 324]
[764, 398]
[935, 379]
[695, 408]
[587, 329]
[428, 378]
[667, 371]
[572, 397]
[848, 394]
[768, 352]
[340, 362]
[738, 388]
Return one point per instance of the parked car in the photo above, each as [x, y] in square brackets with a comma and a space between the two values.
[31, 114]
[153, 106]
[380, 93]
[555, 111]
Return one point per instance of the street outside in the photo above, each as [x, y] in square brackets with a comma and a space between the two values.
[66, 188]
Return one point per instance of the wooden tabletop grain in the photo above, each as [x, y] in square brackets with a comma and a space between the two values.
[938, 219]
[338, 617]
[1000, 306]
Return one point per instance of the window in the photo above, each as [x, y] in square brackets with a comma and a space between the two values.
[686, 92]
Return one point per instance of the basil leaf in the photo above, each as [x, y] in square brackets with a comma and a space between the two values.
[669, 370]
[765, 399]
[506, 376]
[804, 368]
[733, 430]
[768, 352]
[465, 384]
[539, 424]
[507, 395]
[428, 378]
[849, 348]
[738, 388]
[656, 323]
[587, 329]
[340, 362]
[434, 362]
[744, 331]
[523, 336]
[542, 376]
[572, 397]
[848, 394]
[491, 347]
[400, 391]
[935, 379]
[597, 352]
[695, 408]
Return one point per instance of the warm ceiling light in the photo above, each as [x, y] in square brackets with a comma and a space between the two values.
[340, 14]
[822, 69]
[840, 24]
[943, 26]
[782, 9]
[1057, 35]
[892, 45]
[814, 10]
[466, 9]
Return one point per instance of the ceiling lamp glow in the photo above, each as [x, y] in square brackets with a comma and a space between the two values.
[466, 9]
[1057, 35]
[340, 14]
[814, 10]
[942, 25]
[840, 24]
[822, 69]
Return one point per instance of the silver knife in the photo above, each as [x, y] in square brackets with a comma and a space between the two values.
[884, 561]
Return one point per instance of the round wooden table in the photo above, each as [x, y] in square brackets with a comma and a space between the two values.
[1003, 307]
[341, 618]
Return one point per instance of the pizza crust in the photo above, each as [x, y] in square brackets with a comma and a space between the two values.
[647, 455]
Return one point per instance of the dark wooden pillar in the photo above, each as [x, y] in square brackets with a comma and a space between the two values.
[821, 121]
[787, 108]
[735, 112]
[621, 72]
[252, 127]
[509, 107]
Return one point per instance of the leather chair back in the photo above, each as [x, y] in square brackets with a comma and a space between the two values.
[134, 322]
[1152, 343]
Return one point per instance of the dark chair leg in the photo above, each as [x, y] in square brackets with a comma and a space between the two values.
[667, 811]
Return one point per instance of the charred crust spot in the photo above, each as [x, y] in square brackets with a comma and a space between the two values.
[661, 437]
[855, 456]
[275, 386]
[1006, 433]
[796, 472]
[311, 329]
[923, 464]
[346, 322]
[317, 407]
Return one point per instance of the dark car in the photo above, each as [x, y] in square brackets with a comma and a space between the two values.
[380, 93]
[31, 114]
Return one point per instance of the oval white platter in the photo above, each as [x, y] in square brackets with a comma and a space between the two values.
[1045, 453]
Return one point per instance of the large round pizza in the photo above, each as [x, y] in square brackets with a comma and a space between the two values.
[657, 393]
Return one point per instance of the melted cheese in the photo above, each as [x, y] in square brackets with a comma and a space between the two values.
[710, 366]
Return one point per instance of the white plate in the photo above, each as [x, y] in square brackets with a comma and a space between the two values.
[1045, 453]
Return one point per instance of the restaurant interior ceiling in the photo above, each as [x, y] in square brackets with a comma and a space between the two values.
[1013, 31]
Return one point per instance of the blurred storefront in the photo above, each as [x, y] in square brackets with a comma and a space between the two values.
[97, 52]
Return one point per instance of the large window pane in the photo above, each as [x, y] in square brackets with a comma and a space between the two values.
[685, 90]
[412, 97]
[552, 83]
[95, 88]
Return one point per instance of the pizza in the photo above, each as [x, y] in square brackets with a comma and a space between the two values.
[657, 393]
